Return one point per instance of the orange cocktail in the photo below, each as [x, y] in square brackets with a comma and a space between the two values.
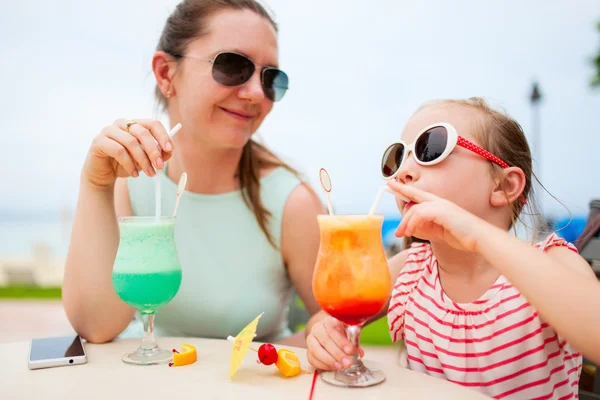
[352, 281]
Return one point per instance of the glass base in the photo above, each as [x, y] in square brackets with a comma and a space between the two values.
[153, 356]
[357, 375]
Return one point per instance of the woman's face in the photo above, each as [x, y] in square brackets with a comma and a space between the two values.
[224, 116]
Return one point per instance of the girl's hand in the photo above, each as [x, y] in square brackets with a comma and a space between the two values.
[327, 347]
[435, 219]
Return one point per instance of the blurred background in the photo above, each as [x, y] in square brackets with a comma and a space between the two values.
[358, 71]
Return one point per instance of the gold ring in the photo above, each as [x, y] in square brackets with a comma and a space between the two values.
[129, 125]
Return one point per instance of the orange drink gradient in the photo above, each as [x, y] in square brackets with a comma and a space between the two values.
[351, 281]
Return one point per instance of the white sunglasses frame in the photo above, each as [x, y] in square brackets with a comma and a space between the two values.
[452, 141]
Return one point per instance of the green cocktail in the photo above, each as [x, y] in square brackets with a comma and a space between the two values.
[147, 275]
[147, 292]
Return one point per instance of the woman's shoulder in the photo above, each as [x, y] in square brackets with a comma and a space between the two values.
[298, 198]
[280, 173]
[281, 184]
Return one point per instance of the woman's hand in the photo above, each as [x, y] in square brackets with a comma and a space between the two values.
[122, 151]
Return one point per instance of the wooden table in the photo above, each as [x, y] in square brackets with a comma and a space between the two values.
[105, 376]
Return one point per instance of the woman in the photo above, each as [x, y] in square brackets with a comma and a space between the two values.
[246, 231]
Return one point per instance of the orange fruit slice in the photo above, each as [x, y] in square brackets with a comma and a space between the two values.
[187, 356]
[288, 363]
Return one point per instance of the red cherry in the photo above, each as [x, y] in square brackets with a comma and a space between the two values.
[267, 354]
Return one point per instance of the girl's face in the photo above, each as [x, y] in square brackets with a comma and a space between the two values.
[464, 177]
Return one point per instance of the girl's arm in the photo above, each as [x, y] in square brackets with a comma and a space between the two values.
[558, 283]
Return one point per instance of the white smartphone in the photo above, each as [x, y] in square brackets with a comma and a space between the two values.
[56, 352]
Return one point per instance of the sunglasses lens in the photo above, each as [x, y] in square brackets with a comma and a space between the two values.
[431, 144]
[392, 158]
[232, 69]
[275, 83]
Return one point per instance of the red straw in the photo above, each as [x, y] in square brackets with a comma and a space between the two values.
[312, 387]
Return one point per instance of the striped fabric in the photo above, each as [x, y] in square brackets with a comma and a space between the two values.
[498, 345]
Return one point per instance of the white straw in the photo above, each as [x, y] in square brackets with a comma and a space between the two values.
[157, 191]
[175, 129]
[157, 195]
[378, 198]
[326, 186]
[329, 204]
[180, 190]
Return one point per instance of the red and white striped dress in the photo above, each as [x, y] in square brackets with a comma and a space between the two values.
[498, 345]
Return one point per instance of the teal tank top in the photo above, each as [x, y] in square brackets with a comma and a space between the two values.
[230, 271]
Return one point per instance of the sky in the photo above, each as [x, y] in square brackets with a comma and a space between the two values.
[358, 70]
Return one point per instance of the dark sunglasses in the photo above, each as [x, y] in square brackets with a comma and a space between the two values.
[233, 69]
[431, 146]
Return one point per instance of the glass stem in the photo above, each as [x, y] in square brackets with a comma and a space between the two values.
[353, 334]
[148, 342]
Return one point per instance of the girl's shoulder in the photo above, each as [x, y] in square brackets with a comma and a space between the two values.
[553, 240]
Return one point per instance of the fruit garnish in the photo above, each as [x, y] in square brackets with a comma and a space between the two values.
[288, 363]
[267, 354]
[187, 356]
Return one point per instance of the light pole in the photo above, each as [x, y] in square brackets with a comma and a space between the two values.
[536, 98]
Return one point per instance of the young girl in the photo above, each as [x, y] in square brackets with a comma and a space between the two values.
[475, 305]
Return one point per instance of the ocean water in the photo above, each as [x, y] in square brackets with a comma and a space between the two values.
[19, 236]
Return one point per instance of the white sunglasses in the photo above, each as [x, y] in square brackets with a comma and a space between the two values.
[431, 146]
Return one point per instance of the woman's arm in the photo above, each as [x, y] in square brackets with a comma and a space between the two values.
[300, 238]
[92, 306]
[119, 150]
